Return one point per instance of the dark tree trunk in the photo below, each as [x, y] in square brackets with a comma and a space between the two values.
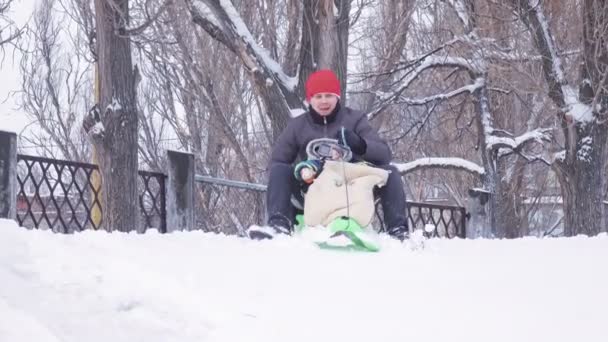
[582, 183]
[325, 40]
[118, 143]
[580, 172]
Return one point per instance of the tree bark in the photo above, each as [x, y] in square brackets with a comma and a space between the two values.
[580, 172]
[490, 178]
[325, 40]
[117, 143]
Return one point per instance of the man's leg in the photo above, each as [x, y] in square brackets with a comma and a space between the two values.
[280, 211]
[392, 197]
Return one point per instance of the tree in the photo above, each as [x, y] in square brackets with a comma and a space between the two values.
[55, 86]
[8, 32]
[115, 129]
[469, 54]
[583, 114]
[324, 42]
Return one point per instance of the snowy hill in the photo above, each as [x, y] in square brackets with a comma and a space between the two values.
[183, 287]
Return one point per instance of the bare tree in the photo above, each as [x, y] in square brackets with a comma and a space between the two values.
[468, 53]
[8, 32]
[324, 43]
[583, 113]
[451, 84]
[276, 89]
[55, 86]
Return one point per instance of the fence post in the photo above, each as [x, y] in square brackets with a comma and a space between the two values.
[8, 175]
[180, 191]
[479, 220]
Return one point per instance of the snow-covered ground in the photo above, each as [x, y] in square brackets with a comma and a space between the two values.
[95, 286]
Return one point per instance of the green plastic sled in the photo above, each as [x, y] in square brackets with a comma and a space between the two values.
[340, 228]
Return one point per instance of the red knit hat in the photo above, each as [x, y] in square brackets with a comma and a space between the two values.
[322, 81]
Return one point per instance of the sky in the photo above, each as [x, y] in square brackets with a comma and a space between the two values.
[194, 286]
[12, 119]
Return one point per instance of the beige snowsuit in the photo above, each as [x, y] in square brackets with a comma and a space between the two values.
[326, 198]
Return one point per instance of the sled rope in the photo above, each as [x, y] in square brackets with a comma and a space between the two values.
[345, 180]
[346, 190]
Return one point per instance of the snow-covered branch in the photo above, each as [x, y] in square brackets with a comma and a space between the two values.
[222, 21]
[535, 158]
[426, 63]
[440, 163]
[564, 95]
[470, 88]
[505, 56]
[539, 135]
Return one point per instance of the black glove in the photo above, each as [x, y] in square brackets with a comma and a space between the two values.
[353, 140]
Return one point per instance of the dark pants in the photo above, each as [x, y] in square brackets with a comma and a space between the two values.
[282, 184]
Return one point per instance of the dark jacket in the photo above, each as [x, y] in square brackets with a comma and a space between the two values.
[300, 130]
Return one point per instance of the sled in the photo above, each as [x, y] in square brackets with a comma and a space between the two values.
[339, 203]
[342, 234]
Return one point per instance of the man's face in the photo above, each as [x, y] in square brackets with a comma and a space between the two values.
[323, 103]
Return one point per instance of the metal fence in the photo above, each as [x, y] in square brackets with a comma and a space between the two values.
[230, 207]
[152, 200]
[443, 220]
[59, 195]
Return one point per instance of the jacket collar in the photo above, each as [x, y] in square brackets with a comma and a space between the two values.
[322, 120]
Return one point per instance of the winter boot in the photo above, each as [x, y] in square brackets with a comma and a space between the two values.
[400, 233]
[277, 224]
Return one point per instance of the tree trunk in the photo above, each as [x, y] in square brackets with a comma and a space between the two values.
[325, 40]
[397, 14]
[581, 178]
[117, 144]
[582, 183]
[490, 179]
[506, 221]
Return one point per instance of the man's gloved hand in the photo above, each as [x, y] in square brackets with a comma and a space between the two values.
[307, 170]
[353, 140]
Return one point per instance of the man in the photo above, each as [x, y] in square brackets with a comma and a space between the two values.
[326, 118]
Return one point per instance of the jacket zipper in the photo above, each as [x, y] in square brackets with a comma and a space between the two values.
[325, 127]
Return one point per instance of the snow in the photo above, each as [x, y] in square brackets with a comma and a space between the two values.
[192, 286]
[457, 163]
[470, 88]
[115, 106]
[576, 109]
[557, 62]
[560, 156]
[585, 149]
[538, 135]
[97, 129]
[203, 287]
